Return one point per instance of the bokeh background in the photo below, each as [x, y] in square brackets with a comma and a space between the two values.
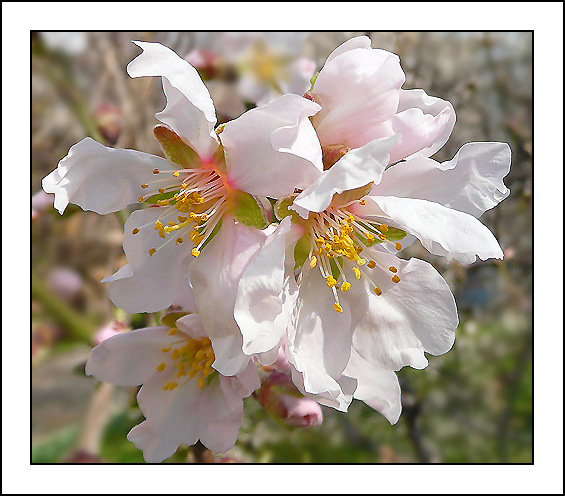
[472, 405]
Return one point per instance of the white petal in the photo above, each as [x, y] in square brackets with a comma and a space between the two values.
[220, 418]
[192, 326]
[150, 283]
[101, 179]
[415, 315]
[190, 110]
[355, 169]
[471, 182]
[425, 123]
[272, 150]
[129, 358]
[441, 230]
[320, 342]
[357, 42]
[358, 90]
[377, 387]
[260, 298]
[215, 275]
[172, 418]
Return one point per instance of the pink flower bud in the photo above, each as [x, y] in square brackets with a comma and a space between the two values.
[109, 330]
[279, 396]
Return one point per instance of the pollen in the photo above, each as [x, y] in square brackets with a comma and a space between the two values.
[145, 186]
[371, 264]
[398, 246]
[140, 199]
[173, 331]
[337, 308]
[166, 350]
[384, 227]
[160, 367]
[176, 174]
[396, 279]
[381, 236]
[330, 281]
[155, 171]
[313, 261]
[357, 273]
[345, 286]
[195, 252]
[378, 291]
[151, 251]
[162, 203]
[135, 231]
[362, 202]
[393, 269]
[179, 241]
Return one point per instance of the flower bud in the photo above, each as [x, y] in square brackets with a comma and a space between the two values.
[66, 283]
[109, 330]
[279, 396]
[109, 121]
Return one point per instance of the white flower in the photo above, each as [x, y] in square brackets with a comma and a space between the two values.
[359, 89]
[389, 311]
[183, 399]
[203, 178]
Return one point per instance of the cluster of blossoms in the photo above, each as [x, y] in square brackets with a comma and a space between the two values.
[278, 233]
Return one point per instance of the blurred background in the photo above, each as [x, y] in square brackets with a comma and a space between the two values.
[472, 405]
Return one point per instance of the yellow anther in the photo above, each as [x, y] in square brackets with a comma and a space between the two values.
[175, 354]
[179, 241]
[162, 203]
[396, 279]
[172, 223]
[382, 236]
[337, 308]
[193, 216]
[361, 261]
[357, 273]
[362, 202]
[183, 185]
[350, 218]
[182, 219]
[371, 264]
[328, 247]
[201, 382]
[145, 186]
[378, 291]
[392, 268]
[151, 251]
[173, 331]
[160, 367]
[193, 235]
[204, 217]
[140, 199]
[345, 286]
[358, 249]
[176, 173]
[195, 252]
[155, 171]
[398, 246]
[313, 261]
[161, 190]
[384, 227]
[172, 385]
[158, 225]
[166, 350]
[162, 233]
[135, 231]
[330, 281]
[320, 241]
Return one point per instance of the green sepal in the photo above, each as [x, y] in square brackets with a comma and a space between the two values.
[212, 234]
[342, 199]
[249, 210]
[392, 234]
[170, 319]
[335, 269]
[175, 149]
[313, 80]
[281, 209]
[301, 251]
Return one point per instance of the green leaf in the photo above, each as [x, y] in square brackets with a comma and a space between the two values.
[313, 80]
[249, 210]
[175, 149]
[301, 251]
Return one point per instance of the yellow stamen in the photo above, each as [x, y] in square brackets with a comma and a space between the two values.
[195, 252]
[357, 273]
[345, 286]
[155, 171]
[384, 227]
[135, 231]
[166, 350]
[337, 308]
[140, 199]
[313, 261]
[378, 291]
[179, 241]
[145, 186]
[162, 203]
[371, 264]
[173, 331]
[396, 279]
[393, 269]
[398, 246]
[176, 173]
[160, 367]
[331, 282]
[151, 251]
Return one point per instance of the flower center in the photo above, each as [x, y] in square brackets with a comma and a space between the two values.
[192, 359]
[337, 234]
[196, 202]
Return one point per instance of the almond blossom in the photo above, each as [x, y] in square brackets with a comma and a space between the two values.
[203, 178]
[183, 398]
